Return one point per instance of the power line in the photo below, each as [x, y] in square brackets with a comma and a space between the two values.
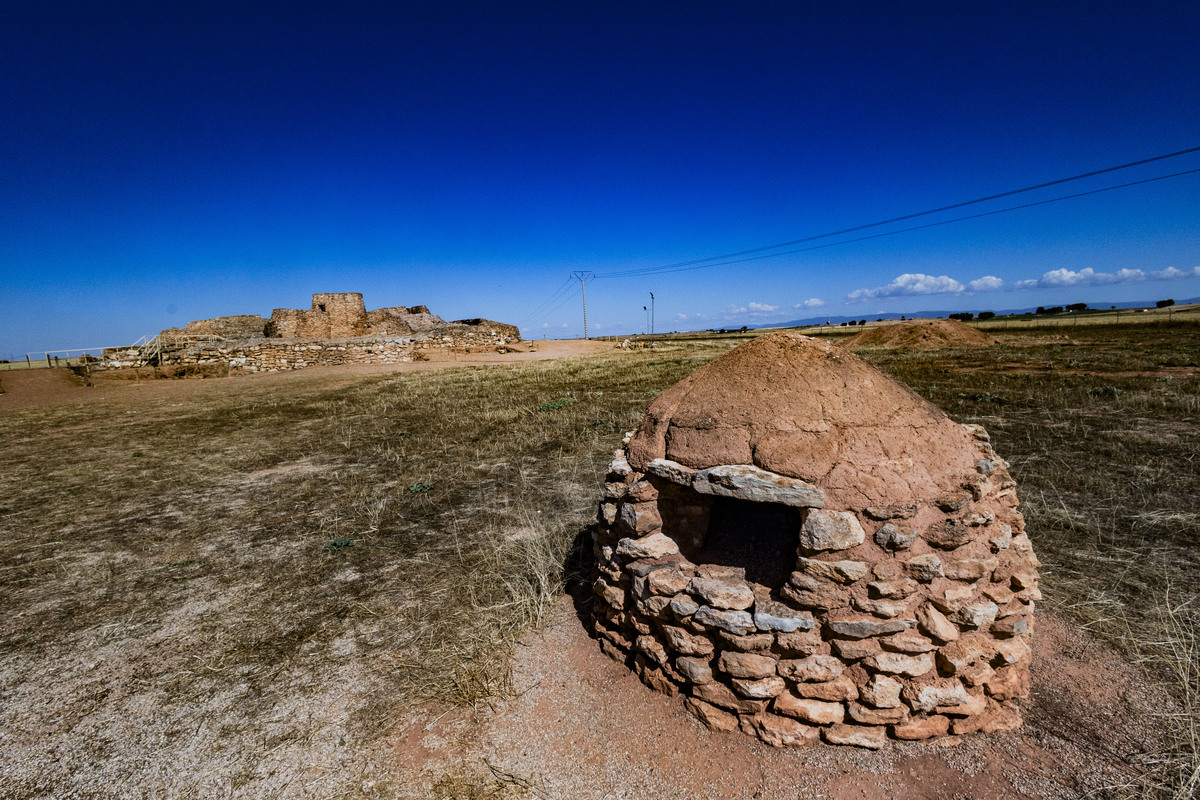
[533, 315]
[682, 264]
[736, 257]
[568, 298]
[694, 265]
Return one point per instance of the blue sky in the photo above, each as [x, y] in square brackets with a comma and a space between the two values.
[164, 162]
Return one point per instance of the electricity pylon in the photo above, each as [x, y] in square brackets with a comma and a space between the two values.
[583, 278]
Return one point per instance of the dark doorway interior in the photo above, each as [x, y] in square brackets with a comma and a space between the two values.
[760, 537]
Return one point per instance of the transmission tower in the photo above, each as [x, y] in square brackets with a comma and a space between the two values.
[583, 278]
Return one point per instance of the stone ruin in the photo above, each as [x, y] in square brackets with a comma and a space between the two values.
[334, 315]
[805, 549]
[337, 329]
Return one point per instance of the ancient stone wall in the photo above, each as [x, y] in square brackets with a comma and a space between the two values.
[241, 326]
[401, 320]
[345, 312]
[292, 323]
[509, 331]
[276, 355]
[908, 621]
[333, 315]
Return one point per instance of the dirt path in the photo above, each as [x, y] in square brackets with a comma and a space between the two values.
[36, 388]
[584, 727]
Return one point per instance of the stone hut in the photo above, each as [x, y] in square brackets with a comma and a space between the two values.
[804, 548]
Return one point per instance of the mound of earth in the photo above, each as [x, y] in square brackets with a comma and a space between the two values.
[921, 334]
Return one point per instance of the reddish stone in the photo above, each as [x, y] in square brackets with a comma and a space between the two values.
[871, 738]
[780, 731]
[721, 695]
[922, 728]
[840, 688]
[746, 665]
[818, 712]
[713, 718]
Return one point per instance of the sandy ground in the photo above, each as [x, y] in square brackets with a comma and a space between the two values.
[33, 388]
[584, 727]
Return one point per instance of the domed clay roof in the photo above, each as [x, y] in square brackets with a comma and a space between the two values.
[799, 407]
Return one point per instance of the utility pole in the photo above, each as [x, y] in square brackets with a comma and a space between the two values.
[652, 319]
[583, 278]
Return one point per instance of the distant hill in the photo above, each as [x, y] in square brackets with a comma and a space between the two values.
[974, 309]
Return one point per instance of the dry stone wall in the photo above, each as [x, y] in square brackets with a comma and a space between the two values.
[276, 355]
[906, 621]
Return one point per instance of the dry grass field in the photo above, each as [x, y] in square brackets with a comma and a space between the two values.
[245, 590]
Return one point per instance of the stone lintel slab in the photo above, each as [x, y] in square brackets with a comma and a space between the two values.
[745, 482]
[740, 481]
[672, 471]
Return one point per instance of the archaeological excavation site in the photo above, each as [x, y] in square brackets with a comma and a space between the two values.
[805, 550]
[337, 329]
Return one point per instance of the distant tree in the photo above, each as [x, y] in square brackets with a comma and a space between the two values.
[1040, 310]
[902, 318]
[862, 322]
[986, 314]
[965, 316]
[1077, 307]
[1054, 310]
[1164, 303]
[879, 319]
[743, 329]
[852, 322]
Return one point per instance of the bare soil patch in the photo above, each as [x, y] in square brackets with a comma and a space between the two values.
[37, 388]
[583, 726]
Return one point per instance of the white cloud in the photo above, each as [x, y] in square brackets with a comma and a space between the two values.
[1171, 274]
[1057, 278]
[988, 283]
[812, 302]
[681, 317]
[750, 310]
[910, 283]
[1089, 277]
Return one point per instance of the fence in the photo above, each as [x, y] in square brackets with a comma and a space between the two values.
[146, 351]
